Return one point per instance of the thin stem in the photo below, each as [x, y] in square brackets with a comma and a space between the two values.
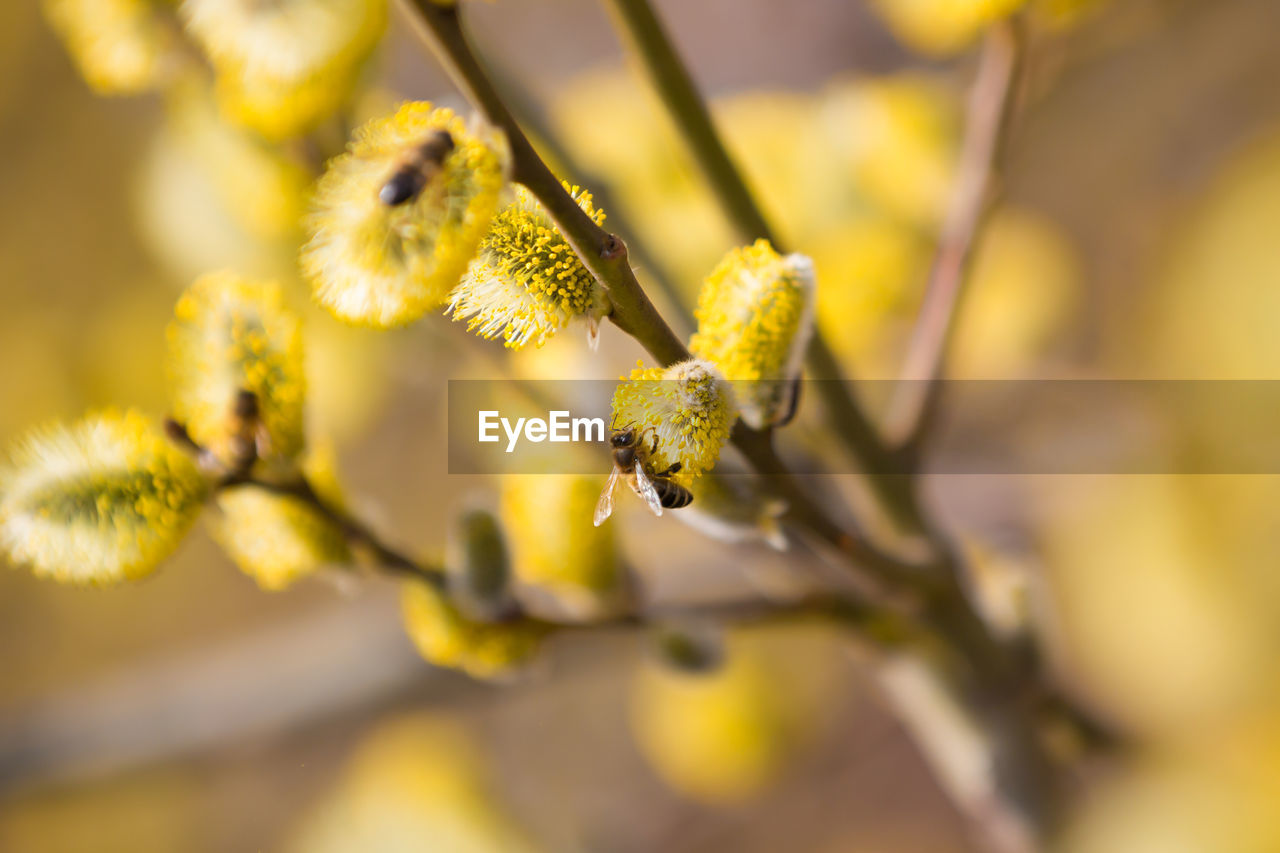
[353, 530]
[990, 107]
[677, 90]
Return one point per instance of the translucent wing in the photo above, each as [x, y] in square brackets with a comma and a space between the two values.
[645, 489]
[604, 506]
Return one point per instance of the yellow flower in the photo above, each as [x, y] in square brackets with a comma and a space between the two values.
[723, 736]
[527, 283]
[102, 501]
[785, 154]
[255, 181]
[120, 46]
[447, 637]
[385, 264]
[898, 138]
[557, 550]
[276, 539]
[415, 783]
[689, 407]
[230, 334]
[284, 66]
[873, 272]
[213, 196]
[755, 318]
[1024, 284]
[940, 27]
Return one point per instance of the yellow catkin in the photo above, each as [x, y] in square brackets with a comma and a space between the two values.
[941, 27]
[721, 736]
[755, 318]
[120, 46]
[446, 637]
[689, 407]
[527, 283]
[555, 547]
[415, 782]
[378, 265]
[228, 334]
[282, 67]
[101, 501]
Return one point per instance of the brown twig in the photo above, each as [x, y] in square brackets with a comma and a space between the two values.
[239, 472]
[990, 107]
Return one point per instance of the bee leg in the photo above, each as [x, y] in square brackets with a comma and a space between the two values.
[675, 467]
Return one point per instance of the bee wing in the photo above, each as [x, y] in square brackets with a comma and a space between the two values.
[604, 506]
[645, 489]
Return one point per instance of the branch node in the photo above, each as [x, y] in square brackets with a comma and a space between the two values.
[612, 247]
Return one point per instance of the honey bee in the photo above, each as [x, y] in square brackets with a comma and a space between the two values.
[631, 460]
[415, 169]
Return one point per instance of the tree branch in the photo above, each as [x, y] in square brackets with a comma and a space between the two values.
[990, 107]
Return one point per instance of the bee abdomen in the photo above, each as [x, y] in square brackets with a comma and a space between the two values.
[673, 496]
[410, 179]
[403, 186]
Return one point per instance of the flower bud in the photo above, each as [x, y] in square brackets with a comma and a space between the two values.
[230, 335]
[396, 219]
[275, 539]
[755, 318]
[721, 734]
[283, 67]
[102, 501]
[688, 407]
[527, 283]
[446, 637]
[730, 509]
[557, 551]
[416, 782]
[120, 46]
[478, 564]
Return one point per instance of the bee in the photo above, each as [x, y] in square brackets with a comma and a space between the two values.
[415, 169]
[631, 460]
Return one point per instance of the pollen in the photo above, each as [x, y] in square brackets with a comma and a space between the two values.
[688, 407]
[230, 334]
[755, 319]
[527, 283]
[381, 265]
[101, 501]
